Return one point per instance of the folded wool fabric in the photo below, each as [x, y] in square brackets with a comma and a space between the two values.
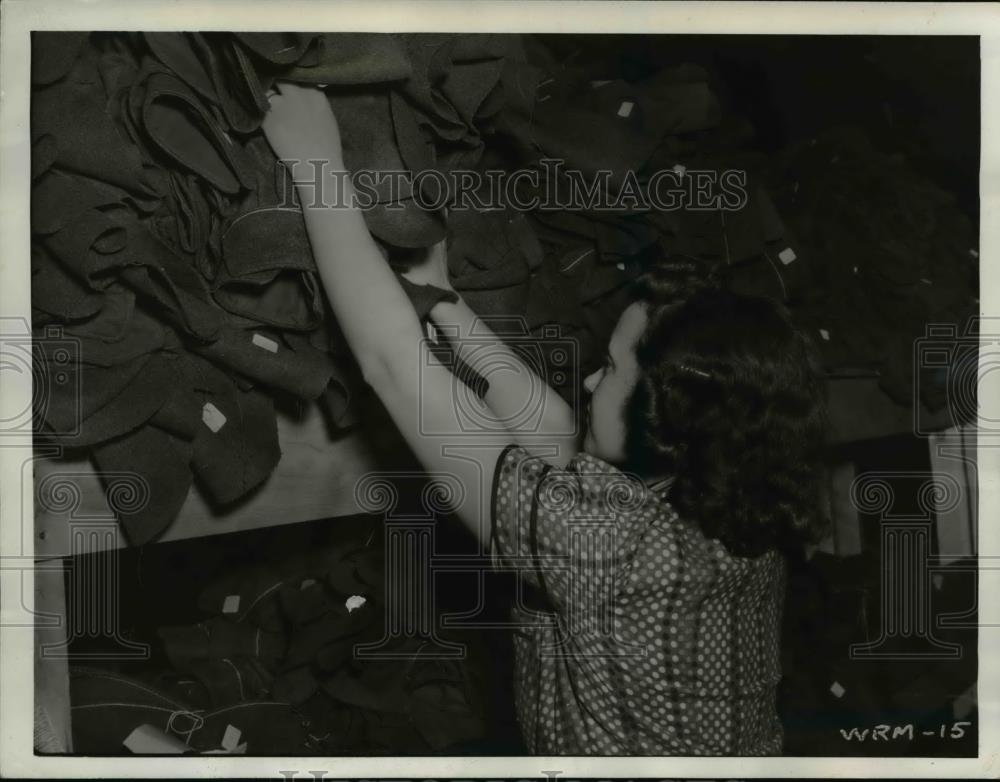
[219, 69]
[430, 55]
[132, 407]
[490, 257]
[242, 97]
[85, 388]
[162, 461]
[166, 281]
[191, 217]
[180, 126]
[871, 227]
[453, 93]
[181, 54]
[268, 272]
[277, 360]
[237, 448]
[180, 414]
[118, 332]
[73, 114]
[492, 239]
[369, 143]
[58, 293]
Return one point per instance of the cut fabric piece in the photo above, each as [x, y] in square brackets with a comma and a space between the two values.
[369, 143]
[237, 448]
[278, 360]
[162, 462]
[168, 283]
[180, 126]
[72, 113]
[76, 391]
[137, 403]
[181, 54]
[119, 332]
[268, 271]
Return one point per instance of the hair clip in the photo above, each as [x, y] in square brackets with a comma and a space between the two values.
[693, 371]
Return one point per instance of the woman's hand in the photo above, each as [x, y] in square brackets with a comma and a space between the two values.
[433, 270]
[300, 125]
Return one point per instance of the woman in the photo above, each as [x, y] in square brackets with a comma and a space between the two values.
[660, 622]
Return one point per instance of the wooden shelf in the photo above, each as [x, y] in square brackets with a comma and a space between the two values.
[314, 479]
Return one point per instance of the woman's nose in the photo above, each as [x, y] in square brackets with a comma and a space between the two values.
[590, 381]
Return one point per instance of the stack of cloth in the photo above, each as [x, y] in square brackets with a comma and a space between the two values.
[889, 253]
[169, 253]
[174, 295]
[277, 644]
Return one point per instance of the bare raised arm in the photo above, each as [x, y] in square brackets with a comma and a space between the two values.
[374, 313]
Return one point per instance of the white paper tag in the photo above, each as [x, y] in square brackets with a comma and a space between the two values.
[620, 266]
[824, 334]
[837, 689]
[231, 737]
[231, 604]
[626, 108]
[266, 343]
[212, 417]
[149, 740]
[787, 255]
[354, 602]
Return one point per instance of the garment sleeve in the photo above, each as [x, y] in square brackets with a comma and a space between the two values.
[570, 532]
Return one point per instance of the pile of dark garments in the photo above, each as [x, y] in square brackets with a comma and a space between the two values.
[165, 256]
[296, 658]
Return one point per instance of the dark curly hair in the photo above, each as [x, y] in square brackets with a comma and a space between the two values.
[728, 404]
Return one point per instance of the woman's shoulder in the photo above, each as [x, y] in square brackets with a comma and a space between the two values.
[602, 486]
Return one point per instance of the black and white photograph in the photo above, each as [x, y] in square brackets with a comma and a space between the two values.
[417, 388]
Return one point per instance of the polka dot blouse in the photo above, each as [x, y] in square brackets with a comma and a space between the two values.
[635, 635]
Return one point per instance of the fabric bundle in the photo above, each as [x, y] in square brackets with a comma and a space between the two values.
[169, 250]
[890, 253]
[277, 642]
